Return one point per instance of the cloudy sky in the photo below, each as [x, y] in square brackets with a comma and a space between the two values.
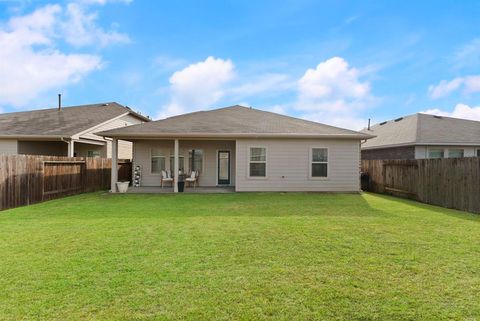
[336, 62]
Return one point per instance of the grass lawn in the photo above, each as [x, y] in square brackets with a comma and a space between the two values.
[238, 256]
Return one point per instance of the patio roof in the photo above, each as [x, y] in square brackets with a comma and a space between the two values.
[232, 122]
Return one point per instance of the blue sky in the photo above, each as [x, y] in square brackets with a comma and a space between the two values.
[337, 62]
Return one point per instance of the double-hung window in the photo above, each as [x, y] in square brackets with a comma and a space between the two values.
[319, 162]
[157, 161]
[181, 163]
[258, 162]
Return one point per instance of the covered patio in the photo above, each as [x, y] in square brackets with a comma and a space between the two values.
[165, 161]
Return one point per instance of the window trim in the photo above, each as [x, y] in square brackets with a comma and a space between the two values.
[311, 162]
[151, 157]
[462, 149]
[201, 170]
[439, 148]
[249, 162]
[173, 156]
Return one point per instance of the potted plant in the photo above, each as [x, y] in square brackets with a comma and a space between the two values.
[122, 186]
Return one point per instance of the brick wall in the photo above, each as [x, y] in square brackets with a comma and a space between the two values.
[404, 152]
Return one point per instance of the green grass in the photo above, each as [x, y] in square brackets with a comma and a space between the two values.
[238, 257]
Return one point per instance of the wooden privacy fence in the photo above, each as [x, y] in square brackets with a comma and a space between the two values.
[447, 182]
[26, 179]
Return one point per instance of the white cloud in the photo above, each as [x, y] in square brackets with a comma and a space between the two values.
[31, 63]
[80, 28]
[103, 2]
[468, 85]
[460, 111]
[334, 93]
[198, 86]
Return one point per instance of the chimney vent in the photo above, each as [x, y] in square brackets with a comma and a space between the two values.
[369, 124]
[59, 101]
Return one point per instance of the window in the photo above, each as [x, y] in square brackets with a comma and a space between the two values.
[258, 162]
[181, 163]
[435, 153]
[195, 160]
[455, 152]
[93, 153]
[478, 152]
[158, 161]
[319, 162]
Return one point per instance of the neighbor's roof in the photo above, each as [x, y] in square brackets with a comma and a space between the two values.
[423, 129]
[231, 122]
[51, 123]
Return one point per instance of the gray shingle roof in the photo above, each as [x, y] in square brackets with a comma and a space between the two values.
[234, 121]
[60, 123]
[423, 129]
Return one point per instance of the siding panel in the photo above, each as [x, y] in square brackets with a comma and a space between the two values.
[8, 147]
[288, 166]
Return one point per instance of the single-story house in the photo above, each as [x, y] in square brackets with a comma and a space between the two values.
[66, 131]
[250, 149]
[422, 136]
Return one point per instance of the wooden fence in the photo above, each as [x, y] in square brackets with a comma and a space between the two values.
[452, 183]
[26, 179]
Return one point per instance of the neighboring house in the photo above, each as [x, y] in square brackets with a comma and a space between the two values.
[67, 131]
[250, 149]
[422, 136]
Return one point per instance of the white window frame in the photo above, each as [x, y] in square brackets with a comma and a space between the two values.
[159, 156]
[445, 154]
[249, 162]
[179, 167]
[202, 170]
[311, 162]
[93, 152]
[462, 149]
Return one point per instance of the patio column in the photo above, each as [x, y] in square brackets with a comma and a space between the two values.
[71, 148]
[175, 167]
[114, 176]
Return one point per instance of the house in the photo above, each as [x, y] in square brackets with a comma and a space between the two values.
[66, 131]
[421, 136]
[247, 148]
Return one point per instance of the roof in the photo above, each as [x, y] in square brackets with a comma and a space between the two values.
[235, 121]
[51, 123]
[423, 129]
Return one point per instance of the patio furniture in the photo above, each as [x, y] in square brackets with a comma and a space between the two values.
[166, 178]
[192, 179]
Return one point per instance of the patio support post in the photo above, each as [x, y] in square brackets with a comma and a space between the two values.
[114, 176]
[71, 148]
[175, 181]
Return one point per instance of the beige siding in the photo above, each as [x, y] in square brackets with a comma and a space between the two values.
[126, 120]
[208, 176]
[8, 146]
[48, 148]
[288, 165]
[124, 148]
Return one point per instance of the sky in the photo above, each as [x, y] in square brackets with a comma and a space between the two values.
[335, 62]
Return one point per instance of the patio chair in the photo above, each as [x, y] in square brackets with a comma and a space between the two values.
[166, 178]
[192, 179]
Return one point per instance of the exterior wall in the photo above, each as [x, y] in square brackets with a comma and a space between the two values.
[47, 148]
[208, 175]
[8, 147]
[81, 149]
[421, 152]
[125, 149]
[288, 165]
[404, 152]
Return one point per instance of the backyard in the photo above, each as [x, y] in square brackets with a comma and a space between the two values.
[252, 256]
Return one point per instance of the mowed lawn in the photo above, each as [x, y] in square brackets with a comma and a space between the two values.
[265, 256]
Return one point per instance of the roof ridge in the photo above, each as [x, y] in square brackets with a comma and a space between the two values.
[64, 107]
